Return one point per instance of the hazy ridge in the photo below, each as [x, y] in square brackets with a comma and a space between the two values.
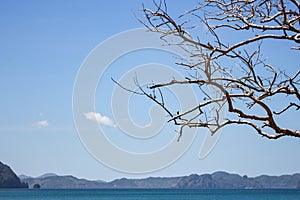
[217, 180]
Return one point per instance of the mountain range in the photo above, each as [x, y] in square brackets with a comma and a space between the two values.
[217, 180]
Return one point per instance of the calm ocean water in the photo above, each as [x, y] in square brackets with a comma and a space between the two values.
[22, 194]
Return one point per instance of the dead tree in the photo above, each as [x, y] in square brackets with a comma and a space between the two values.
[246, 90]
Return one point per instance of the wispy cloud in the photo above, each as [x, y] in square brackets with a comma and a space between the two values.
[42, 123]
[101, 119]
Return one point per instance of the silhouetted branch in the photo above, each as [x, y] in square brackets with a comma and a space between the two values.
[251, 84]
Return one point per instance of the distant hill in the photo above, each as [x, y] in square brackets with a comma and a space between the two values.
[151, 182]
[23, 176]
[100, 181]
[62, 182]
[277, 182]
[217, 180]
[47, 175]
[8, 179]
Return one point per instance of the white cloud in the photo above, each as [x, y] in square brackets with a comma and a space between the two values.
[42, 123]
[101, 119]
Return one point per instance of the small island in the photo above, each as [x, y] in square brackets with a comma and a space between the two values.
[36, 186]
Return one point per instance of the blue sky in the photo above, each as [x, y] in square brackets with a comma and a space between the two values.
[43, 44]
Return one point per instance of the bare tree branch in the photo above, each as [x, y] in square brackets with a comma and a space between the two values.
[246, 90]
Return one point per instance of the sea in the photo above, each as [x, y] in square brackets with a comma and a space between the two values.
[146, 194]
